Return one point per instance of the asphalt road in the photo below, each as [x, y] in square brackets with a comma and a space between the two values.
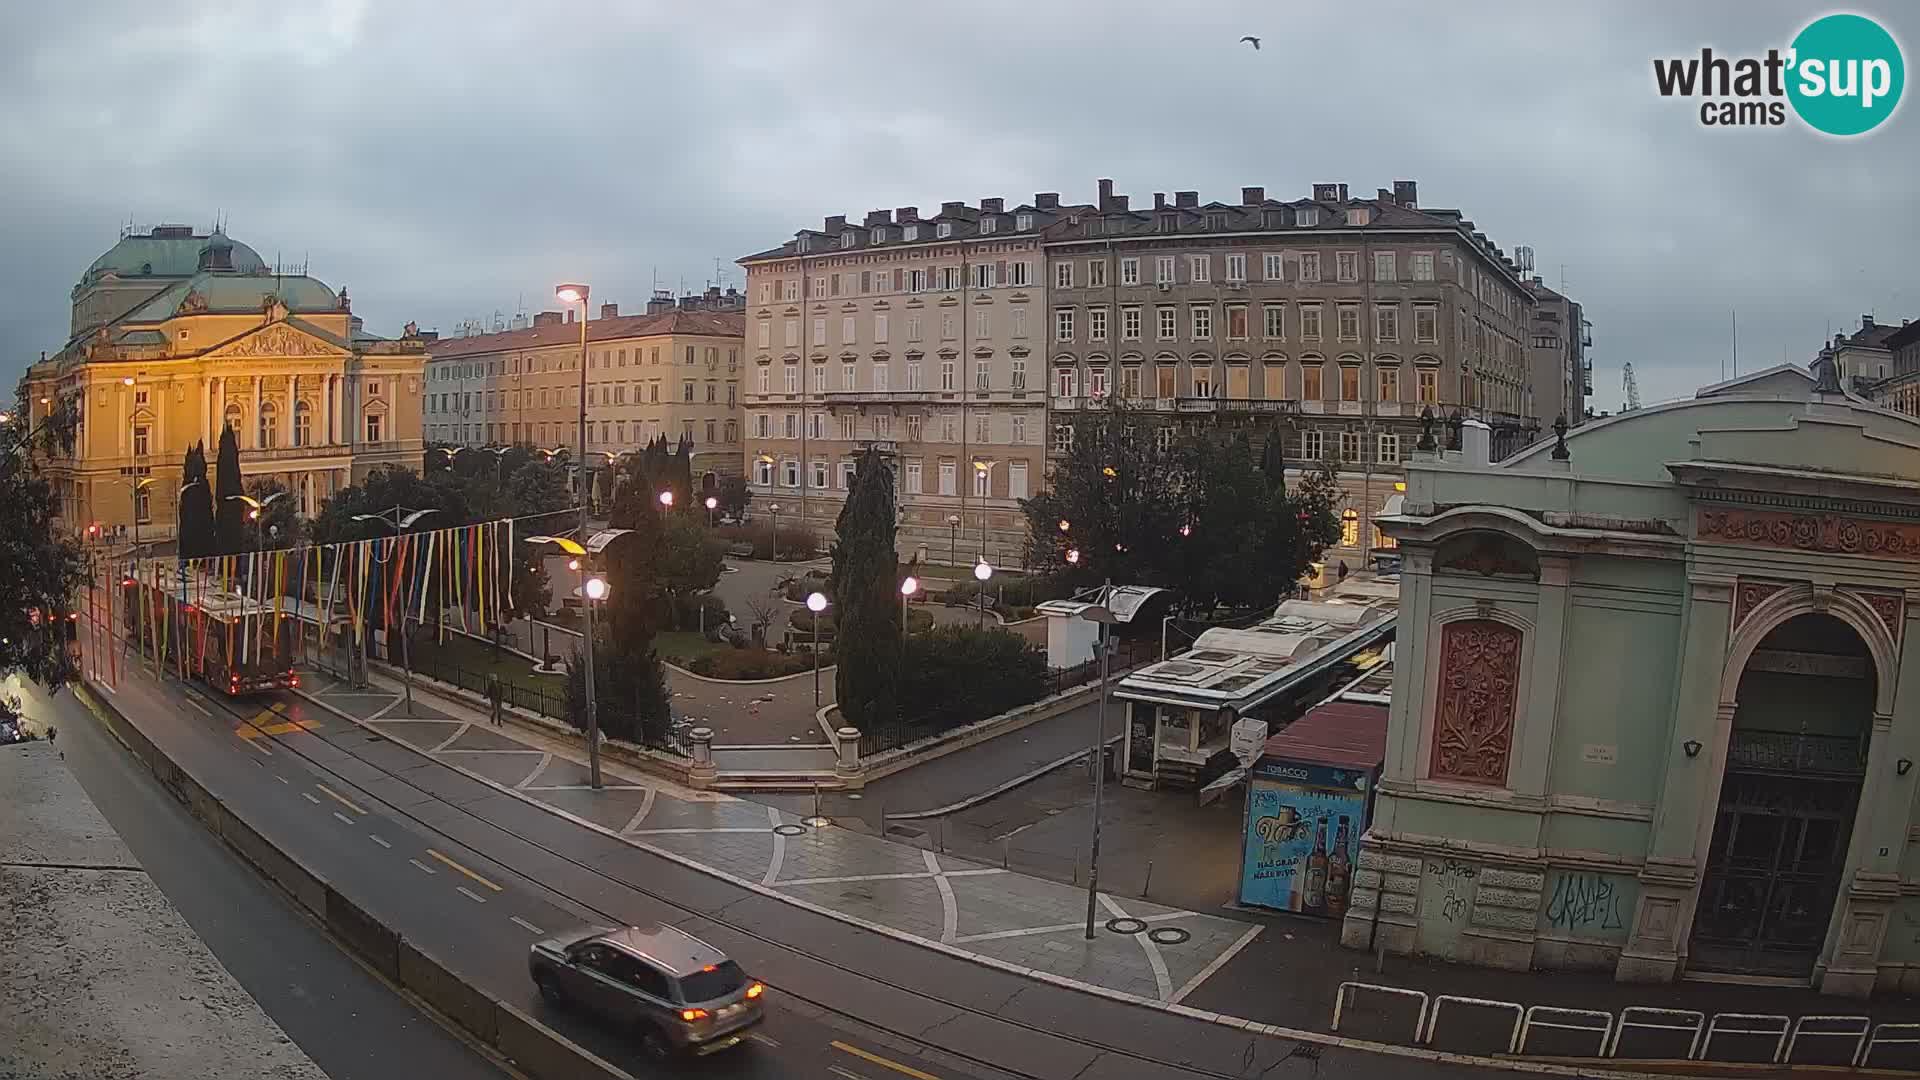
[348, 1021]
[472, 875]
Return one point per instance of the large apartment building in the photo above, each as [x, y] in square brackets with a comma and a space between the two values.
[1329, 320]
[922, 336]
[1558, 343]
[675, 372]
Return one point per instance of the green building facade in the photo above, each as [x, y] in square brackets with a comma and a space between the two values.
[1651, 709]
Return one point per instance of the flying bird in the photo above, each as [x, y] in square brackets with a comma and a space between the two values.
[1253, 41]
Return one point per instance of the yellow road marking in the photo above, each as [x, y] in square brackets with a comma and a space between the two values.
[885, 1063]
[272, 722]
[442, 858]
[339, 798]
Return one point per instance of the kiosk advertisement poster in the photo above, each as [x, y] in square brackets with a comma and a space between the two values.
[1303, 833]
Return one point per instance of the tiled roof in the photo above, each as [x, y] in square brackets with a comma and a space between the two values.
[712, 323]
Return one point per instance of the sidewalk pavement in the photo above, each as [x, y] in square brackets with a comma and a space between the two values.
[969, 909]
[948, 784]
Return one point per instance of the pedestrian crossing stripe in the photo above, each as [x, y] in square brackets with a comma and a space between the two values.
[271, 722]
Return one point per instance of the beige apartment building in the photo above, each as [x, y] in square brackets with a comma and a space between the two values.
[924, 337]
[1328, 320]
[673, 373]
[1562, 371]
[176, 335]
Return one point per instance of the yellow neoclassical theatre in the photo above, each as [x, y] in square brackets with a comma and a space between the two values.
[177, 333]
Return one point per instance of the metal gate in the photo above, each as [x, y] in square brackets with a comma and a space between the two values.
[1779, 846]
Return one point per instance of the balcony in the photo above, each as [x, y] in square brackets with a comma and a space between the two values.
[1232, 405]
[884, 397]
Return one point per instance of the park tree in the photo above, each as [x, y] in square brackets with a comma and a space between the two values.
[1303, 524]
[196, 505]
[537, 486]
[229, 513]
[44, 569]
[278, 525]
[1228, 508]
[1117, 489]
[866, 590]
[689, 561]
[734, 495]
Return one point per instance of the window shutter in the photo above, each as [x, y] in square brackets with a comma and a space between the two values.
[1000, 272]
[899, 279]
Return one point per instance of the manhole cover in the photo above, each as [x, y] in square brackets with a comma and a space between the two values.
[1125, 926]
[1169, 935]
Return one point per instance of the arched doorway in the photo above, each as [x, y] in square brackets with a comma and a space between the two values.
[1795, 763]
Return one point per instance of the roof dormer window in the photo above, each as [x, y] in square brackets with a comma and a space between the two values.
[911, 232]
[1023, 222]
[1169, 222]
[1359, 215]
[1307, 217]
[1217, 222]
[943, 230]
[847, 238]
[803, 243]
[989, 223]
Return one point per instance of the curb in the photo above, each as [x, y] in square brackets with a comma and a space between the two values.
[528, 1044]
[670, 665]
[1539, 1068]
[975, 800]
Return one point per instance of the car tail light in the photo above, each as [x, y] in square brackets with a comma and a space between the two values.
[690, 1015]
[755, 991]
[293, 680]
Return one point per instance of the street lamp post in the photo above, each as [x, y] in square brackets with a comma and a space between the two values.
[816, 603]
[1101, 613]
[907, 589]
[578, 294]
[982, 570]
[953, 539]
[774, 550]
[712, 504]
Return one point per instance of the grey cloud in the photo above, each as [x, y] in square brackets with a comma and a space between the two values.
[446, 162]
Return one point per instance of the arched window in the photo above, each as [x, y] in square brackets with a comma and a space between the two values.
[1350, 528]
[231, 416]
[269, 425]
[302, 424]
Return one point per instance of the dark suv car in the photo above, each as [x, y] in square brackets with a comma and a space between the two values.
[672, 990]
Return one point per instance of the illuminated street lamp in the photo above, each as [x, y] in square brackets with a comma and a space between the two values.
[1073, 556]
[666, 499]
[816, 603]
[774, 509]
[982, 570]
[907, 588]
[712, 504]
[576, 293]
[597, 588]
[953, 538]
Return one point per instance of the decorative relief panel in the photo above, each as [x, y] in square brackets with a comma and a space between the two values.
[1750, 594]
[280, 340]
[1479, 688]
[1488, 554]
[1811, 532]
[1891, 607]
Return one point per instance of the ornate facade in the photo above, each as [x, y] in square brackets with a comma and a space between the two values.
[1653, 712]
[176, 335]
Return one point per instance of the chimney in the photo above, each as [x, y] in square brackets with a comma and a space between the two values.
[546, 318]
[951, 209]
[1406, 193]
[1866, 322]
[1106, 193]
[834, 224]
[1343, 193]
[1120, 203]
[569, 316]
[907, 215]
[1159, 200]
[1046, 200]
[1252, 196]
[992, 206]
[428, 336]
[1383, 194]
[1476, 443]
[1186, 199]
[1326, 192]
[877, 217]
[661, 302]
[609, 311]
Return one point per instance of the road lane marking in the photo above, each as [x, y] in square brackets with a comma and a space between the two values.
[1219, 962]
[379, 841]
[470, 894]
[525, 925]
[885, 1063]
[451, 739]
[343, 818]
[640, 815]
[339, 798]
[307, 795]
[256, 745]
[545, 760]
[282, 779]
[949, 907]
[193, 701]
[779, 855]
[843, 1074]
[464, 870]
[764, 1040]
[423, 866]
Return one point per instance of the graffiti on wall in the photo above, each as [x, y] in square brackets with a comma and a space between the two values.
[1454, 888]
[1585, 903]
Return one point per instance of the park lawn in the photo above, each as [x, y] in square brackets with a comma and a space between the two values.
[681, 646]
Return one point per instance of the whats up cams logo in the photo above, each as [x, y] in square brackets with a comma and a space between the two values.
[1842, 75]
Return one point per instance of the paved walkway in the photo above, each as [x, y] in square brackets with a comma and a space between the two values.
[979, 771]
[961, 906]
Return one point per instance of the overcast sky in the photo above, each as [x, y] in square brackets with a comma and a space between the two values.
[450, 167]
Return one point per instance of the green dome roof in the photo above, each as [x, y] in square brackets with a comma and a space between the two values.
[169, 251]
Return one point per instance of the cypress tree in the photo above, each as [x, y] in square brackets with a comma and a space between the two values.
[229, 515]
[196, 505]
[865, 588]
